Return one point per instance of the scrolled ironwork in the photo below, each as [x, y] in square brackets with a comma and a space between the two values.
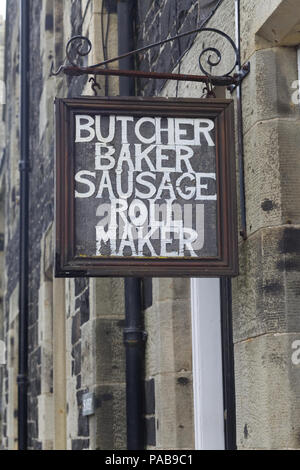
[81, 46]
[214, 63]
[84, 43]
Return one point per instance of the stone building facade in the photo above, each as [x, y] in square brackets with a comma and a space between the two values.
[75, 331]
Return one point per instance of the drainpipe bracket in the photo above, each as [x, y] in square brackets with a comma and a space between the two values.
[24, 166]
[240, 76]
[134, 336]
[22, 379]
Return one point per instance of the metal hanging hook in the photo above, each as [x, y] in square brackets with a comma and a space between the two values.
[58, 71]
[95, 85]
[208, 90]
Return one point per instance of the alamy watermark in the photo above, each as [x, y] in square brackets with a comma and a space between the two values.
[296, 353]
[121, 225]
[296, 93]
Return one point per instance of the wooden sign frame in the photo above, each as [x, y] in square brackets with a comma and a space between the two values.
[69, 265]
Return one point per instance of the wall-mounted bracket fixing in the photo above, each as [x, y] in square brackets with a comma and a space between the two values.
[79, 47]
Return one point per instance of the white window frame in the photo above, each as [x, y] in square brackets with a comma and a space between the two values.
[207, 364]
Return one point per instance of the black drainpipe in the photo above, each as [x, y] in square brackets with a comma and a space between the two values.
[134, 335]
[24, 203]
[134, 338]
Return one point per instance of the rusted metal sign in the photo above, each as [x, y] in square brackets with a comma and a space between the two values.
[145, 187]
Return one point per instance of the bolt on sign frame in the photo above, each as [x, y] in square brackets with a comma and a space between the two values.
[73, 259]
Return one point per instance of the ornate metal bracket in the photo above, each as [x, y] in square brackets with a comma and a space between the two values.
[79, 47]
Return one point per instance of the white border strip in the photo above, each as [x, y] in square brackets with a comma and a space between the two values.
[207, 365]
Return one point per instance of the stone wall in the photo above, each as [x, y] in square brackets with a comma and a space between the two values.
[10, 184]
[61, 366]
[159, 20]
[265, 294]
[168, 369]
[75, 326]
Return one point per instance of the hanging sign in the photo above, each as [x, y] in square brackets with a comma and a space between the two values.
[145, 187]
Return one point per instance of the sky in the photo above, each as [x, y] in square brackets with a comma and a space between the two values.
[2, 7]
